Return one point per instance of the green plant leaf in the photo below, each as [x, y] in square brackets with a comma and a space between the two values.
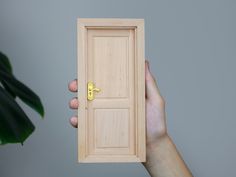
[8, 89]
[23, 92]
[15, 126]
[5, 64]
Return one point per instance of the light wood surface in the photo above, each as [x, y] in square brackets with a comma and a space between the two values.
[112, 125]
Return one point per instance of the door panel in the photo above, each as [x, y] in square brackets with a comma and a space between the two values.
[109, 54]
[112, 124]
[111, 128]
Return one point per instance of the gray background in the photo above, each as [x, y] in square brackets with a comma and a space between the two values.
[191, 46]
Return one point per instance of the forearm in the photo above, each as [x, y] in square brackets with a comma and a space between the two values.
[164, 160]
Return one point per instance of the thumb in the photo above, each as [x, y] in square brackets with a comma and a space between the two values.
[152, 90]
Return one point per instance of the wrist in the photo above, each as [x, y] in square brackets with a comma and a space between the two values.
[153, 143]
[153, 151]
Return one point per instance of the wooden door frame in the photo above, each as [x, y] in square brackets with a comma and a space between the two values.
[83, 24]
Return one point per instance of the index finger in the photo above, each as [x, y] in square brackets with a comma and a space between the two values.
[73, 85]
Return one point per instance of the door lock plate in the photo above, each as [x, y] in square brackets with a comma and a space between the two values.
[90, 90]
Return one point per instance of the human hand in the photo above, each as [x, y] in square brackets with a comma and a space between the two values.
[155, 108]
[163, 158]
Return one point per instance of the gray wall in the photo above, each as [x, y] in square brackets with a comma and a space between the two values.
[191, 46]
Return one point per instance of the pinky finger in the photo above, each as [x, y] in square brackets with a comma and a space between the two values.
[74, 121]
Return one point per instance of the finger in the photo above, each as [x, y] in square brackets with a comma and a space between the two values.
[74, 121]
[74, 103]
[150, 83]
[73, 86]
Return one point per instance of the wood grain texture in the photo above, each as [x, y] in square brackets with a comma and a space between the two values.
[112, 127]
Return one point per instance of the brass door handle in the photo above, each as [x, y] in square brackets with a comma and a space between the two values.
[90, 90]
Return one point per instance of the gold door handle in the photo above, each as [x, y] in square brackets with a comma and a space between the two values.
[90, 90]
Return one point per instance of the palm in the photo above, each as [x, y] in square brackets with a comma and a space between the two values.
[155, 109]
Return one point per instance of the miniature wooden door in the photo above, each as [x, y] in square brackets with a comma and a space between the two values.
[111, 90]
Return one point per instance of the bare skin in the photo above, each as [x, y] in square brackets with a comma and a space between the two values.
[163, 158]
